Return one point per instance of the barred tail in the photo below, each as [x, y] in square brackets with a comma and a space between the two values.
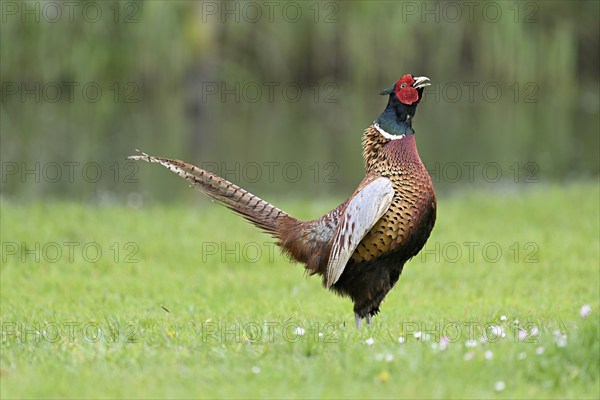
[252, 208]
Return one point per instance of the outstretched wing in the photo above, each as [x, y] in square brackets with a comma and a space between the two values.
[363, 211]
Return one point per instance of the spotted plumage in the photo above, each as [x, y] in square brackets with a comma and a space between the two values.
[361, 246]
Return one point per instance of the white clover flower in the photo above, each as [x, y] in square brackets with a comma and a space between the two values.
[488, 355]
[560, 338]
[522, 334]
[534, 331]
[497, 331]
[561, 341]
[444, 342]
[585, 310]
[471, 343]
[499, 386]
[418, 335]
[401, 339]
[369, 341]
[503, 318]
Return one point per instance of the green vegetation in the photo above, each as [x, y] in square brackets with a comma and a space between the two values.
[149, 319]
[511, 82]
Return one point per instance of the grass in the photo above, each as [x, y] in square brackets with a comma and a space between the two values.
[191, 315]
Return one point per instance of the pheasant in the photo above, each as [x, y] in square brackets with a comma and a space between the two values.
[360, 247]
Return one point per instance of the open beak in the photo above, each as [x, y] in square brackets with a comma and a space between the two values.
[421, 82]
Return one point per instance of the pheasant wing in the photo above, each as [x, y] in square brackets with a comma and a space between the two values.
[365, 208]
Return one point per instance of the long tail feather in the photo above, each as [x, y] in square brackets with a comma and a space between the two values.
[249, 206]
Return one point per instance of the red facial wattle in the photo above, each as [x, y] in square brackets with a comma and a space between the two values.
[405, 91]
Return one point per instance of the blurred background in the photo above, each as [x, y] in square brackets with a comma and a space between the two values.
[274, 96]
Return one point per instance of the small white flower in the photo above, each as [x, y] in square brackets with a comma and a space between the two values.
[471, 343]
[401, 339]
[522, 355]
[469, 356]
[418, 335]
[539, 351]
[320, 334]
[585, 310]
[516, 322]
[389, 357]
[369, 341]
[256, 370]
[560, 338]
[522, 334]
[534, 331]
[503, 318]
[299, 331]
[499, 386]
[496, 330]
[488, 355]
[444, 342]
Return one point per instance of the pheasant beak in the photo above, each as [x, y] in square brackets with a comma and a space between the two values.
[421, 82]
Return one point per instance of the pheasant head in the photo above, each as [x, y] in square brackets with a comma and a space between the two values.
[404, 96]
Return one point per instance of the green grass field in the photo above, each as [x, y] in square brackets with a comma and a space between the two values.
[190, 301]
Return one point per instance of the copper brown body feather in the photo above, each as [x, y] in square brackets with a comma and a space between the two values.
[400, 234]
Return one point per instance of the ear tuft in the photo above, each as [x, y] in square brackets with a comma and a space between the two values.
[389, 90]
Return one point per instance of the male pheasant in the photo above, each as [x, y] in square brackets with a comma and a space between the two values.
[360, 247]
